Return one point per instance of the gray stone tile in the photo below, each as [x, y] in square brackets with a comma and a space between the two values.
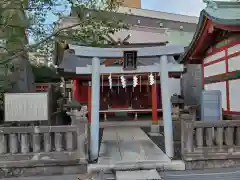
[131, 151]
[123, 145]
[137, 175]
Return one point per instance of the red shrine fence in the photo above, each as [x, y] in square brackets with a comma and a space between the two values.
[210, 140]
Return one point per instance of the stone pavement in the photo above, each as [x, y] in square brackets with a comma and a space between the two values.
[213, 174]
[128, 145]
[210, 174]
[62, 177]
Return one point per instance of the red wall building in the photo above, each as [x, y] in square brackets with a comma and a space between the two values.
[216, 45]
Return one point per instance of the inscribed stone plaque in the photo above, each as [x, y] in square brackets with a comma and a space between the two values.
[26, 107]
[211, 105]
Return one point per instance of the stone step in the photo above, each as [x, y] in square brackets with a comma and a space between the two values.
[138, 175]
[161, 165]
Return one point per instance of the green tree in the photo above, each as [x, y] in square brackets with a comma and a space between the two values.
[35, 25]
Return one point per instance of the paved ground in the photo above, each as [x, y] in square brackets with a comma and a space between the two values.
[128, 145]
[65, 177]
[215, 174]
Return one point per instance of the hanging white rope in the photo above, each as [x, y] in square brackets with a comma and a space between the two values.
[123, 81]
[151, 79]
[110, 81]
[135, 81]
[62, 84]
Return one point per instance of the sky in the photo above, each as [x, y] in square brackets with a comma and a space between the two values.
[185, 7]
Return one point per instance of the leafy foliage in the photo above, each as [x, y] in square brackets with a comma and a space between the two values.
[34, 26]
[45, 74]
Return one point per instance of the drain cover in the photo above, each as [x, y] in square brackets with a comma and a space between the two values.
[138, 175]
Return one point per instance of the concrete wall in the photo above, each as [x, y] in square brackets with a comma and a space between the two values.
[150, 26]
[158, 15]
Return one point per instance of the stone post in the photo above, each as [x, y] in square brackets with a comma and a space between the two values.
[79, 119]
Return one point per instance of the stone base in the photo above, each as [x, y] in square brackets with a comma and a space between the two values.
[210, 164]
[154, 134]
[175, 165]
[155, 128]
[42, 171]
[155, 131]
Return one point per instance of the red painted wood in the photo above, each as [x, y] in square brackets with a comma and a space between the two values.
[223, 58]
[231, 28]
[233, 55]
[219, 49]
[227, 81]
[41, 87]
[76, 90]
[154, 105]
[231, 112]
[83, 93]
[120, 107]
[223, 74]
[202, 37]
[159, 96]
[215, 61]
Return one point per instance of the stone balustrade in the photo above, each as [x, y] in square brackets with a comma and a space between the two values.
[218, 140]
[41, 145]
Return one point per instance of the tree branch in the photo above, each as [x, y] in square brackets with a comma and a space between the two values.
[42, 41]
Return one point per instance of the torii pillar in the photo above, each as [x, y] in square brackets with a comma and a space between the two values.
[166, 106]
[94, 126]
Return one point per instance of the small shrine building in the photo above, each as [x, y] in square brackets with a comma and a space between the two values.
[137, 73]
[125, 82]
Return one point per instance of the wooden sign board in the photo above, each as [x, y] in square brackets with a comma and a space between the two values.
[130, 60]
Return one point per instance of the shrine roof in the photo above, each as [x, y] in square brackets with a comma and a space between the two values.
[227, 13]
[117, 52]
[70, 60]
[220, 15]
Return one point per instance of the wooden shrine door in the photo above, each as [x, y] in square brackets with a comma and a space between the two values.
[119, 97]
